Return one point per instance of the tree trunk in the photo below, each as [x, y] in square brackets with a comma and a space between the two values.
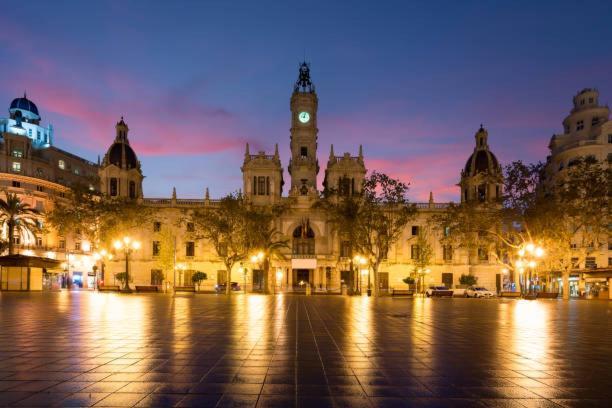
[566, 289]
[228, 285]
[266, 278]
[375, 276]
[11, 234]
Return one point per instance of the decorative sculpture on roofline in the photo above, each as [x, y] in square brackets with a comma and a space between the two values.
[304, 84]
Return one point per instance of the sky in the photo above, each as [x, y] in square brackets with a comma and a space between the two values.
[410, 81]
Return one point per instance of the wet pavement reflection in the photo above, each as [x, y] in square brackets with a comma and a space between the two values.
[99, 349]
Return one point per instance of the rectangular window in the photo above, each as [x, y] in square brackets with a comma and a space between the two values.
[345, 249]
[17, 239]
[447, 252]
[61, 164]
[16, 184]
[190, 227]
[77, 171]
[579, 125]
[39, 241]
[414, 251]
[610, 138]
[447, 231]
[190, 248]
[156, 247]
[415, 230]
[609, 261]
[594, 121]
[38, 134]
[304, 151]
[77, 246]
[261, 185]
[17, 153]
[590, 262]
[30, 132]
[62, 244]
[40, 188]
[17, 167]
[483, 254]
[574, 263]
[156, 226]
[114, 187]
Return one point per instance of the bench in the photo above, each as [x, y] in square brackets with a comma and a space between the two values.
[108, 288]
[147, 288]
[510, 294]
[401, 292]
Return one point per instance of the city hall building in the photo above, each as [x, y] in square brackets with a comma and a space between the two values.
[317, 256]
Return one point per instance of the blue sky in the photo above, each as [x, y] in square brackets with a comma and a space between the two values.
[411, 81]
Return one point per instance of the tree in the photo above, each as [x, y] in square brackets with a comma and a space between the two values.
[271, 244]
[198, 277]
[424, 254]
[409, 280]
[571, 215]
[373, 220]
[384, 213]
[228, 228]
[167, 250]
[100, 219]
[18, 217]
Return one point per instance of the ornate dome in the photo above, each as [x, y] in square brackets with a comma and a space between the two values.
[27, 108]
[482, 160]
[116, 152]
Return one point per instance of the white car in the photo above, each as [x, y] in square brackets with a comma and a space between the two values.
[478, 292]
[438, 291]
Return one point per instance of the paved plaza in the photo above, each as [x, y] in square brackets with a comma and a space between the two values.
[96, 349]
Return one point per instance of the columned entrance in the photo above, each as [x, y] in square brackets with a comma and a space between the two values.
[301, 278]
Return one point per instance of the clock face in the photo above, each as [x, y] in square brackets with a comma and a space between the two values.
[304, 117]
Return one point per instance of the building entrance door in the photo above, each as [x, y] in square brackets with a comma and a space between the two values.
[258, 280]
[301, 279]
[383, 281]
[447, 280]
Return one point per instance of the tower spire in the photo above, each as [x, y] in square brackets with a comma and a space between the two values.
[276, 155]
[331, 152]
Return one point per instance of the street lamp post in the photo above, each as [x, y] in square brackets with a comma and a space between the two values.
[258, 260]
[128, 246]
[361, 262]
[528, 256]
[101, 256]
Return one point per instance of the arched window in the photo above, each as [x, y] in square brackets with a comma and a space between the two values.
[303, 241]
[482, 193]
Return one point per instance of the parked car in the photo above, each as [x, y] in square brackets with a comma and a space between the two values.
[478, 292]
[220, 287]
[438, 291]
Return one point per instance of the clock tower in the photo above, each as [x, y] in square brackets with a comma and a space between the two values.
[303, 166]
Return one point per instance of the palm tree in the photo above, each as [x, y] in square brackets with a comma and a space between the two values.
[18, 216]
[271, 244]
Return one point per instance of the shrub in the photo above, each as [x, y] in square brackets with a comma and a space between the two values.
[468, 280]
[121, 277]
[199, 277]
[409, 280]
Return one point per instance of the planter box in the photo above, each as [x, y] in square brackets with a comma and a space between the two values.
[108, 288]
[147, 288]
[510, 294]
[184, 288]
[547, 295]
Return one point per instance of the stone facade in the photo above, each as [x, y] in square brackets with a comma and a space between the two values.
[317, 256]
